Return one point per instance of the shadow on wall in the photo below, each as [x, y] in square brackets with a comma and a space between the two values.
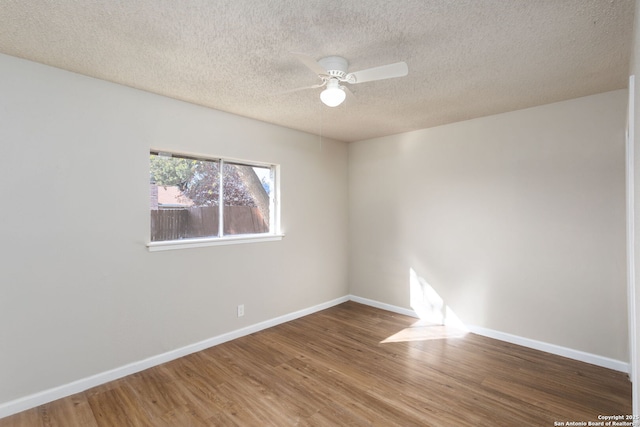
[437, 320]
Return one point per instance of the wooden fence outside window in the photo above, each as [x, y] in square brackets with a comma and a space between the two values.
[176, 224]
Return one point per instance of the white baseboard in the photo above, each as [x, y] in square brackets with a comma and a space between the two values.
[383, 306]
[570, 353]
[581, 356]
[46, 396]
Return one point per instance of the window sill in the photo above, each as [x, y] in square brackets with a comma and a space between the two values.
[212, 241]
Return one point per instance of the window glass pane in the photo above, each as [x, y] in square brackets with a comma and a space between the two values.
[184, 198]
[186, 202]
[247, 199]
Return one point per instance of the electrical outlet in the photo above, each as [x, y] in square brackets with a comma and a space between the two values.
[241, 310]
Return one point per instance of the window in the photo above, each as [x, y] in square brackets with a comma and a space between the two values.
[189, 209]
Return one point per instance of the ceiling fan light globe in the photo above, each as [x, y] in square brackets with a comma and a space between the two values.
[332, 96]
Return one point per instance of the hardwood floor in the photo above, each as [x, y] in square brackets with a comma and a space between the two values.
[332, 368]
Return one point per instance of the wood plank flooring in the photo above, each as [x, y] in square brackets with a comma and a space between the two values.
[332, 368]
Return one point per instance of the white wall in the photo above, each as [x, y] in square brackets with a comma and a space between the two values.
[80, 292]
[517, 221]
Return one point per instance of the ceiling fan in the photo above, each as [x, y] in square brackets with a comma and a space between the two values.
[332, 70]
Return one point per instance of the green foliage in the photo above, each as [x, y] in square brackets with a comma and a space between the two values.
[199, 180]
[172, 171]
[202, 187]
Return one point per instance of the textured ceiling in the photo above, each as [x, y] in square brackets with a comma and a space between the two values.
[466, 58]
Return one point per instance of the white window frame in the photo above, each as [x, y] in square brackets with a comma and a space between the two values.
[274, 234]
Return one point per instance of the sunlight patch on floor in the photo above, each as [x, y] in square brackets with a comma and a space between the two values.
[421, 332]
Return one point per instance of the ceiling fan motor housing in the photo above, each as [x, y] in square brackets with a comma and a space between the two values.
[336, 66]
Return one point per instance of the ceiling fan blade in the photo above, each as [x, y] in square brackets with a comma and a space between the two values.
[310, 63]
[399, 69]
[298, 89]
